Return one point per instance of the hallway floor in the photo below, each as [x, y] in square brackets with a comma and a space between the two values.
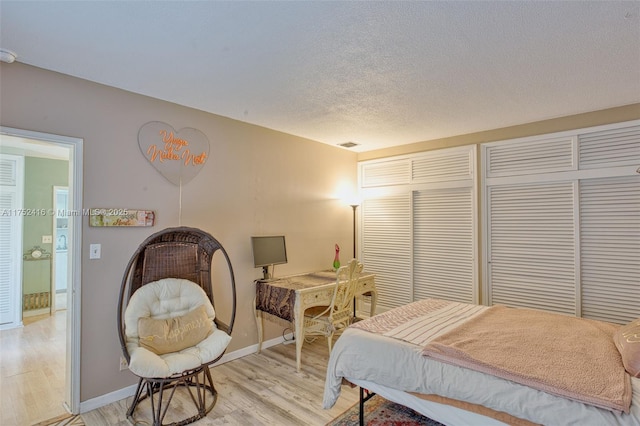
[32, 370]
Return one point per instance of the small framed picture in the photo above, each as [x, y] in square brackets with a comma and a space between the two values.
[121, 217]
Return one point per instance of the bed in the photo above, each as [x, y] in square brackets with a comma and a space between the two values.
[405, 355]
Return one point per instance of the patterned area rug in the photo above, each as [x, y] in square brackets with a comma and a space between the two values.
[63, 420]
[380, 412]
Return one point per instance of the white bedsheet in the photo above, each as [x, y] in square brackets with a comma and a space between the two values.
[360, 355]
[445, 414]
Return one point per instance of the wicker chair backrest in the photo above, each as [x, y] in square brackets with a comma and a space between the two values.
[175, 253]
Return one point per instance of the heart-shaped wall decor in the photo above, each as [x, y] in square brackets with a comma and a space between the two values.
[177, 155]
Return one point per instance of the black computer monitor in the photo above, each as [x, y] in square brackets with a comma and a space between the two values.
[268, 251]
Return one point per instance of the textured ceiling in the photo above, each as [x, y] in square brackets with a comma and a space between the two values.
[376, 73]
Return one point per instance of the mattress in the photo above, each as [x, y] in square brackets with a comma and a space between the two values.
[361, 356]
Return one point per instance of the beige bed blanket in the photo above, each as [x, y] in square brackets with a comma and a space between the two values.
[566, 356]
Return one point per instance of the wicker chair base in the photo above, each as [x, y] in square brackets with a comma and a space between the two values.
[198, 384]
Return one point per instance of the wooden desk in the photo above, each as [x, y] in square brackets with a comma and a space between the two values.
[288, 298]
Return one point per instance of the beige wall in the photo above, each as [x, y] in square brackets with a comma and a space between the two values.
[256, 181]
[578, 121]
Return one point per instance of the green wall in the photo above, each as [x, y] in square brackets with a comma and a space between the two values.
[40, 176]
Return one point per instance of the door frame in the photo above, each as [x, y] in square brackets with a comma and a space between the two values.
[72, 362]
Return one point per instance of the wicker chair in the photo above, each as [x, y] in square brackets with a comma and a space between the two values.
[326, 320]
[167, 279]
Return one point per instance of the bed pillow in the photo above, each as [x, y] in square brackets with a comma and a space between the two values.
[162, 336]
[627, 340]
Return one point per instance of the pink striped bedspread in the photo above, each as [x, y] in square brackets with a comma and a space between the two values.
[421, 321]
[566, 356]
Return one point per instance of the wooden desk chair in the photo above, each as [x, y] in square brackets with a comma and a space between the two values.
[169, 329]
[326, 320]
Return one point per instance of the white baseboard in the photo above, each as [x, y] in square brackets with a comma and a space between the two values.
[10, 325]
[111, 397]
[36, 312]
[106, 399]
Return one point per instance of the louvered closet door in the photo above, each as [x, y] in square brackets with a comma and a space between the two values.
[612, 147]
[531, 246]
[570, 242]
[610, 248]
[7, 276]
[9, 234]
[444, 244]
[386, 247]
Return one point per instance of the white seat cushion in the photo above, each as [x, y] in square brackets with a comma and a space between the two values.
[168, 298]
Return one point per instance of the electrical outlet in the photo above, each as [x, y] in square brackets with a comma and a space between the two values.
[123, 364]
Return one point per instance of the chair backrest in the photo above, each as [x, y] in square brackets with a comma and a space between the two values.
[180, 252]
[345, 290]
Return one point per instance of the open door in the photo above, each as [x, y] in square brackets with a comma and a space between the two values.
[61, 260]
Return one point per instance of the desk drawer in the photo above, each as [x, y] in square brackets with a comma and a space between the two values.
[317, 298]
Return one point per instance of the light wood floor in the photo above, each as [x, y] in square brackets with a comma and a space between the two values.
[258, 389]
[32, 366]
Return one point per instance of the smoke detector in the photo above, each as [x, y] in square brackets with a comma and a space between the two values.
[7, 56]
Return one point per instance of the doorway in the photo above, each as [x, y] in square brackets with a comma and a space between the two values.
[43, 248]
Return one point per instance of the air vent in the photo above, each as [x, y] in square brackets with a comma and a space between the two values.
[348, 144]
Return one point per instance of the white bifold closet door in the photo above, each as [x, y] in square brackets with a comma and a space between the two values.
[532, 246]
[11, 182]
[443, 244]
[418, 226]
[610, 248]
[386, 247]
[563, 222]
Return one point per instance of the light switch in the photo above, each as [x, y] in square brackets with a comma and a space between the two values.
[94, 251]
[47, 239]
